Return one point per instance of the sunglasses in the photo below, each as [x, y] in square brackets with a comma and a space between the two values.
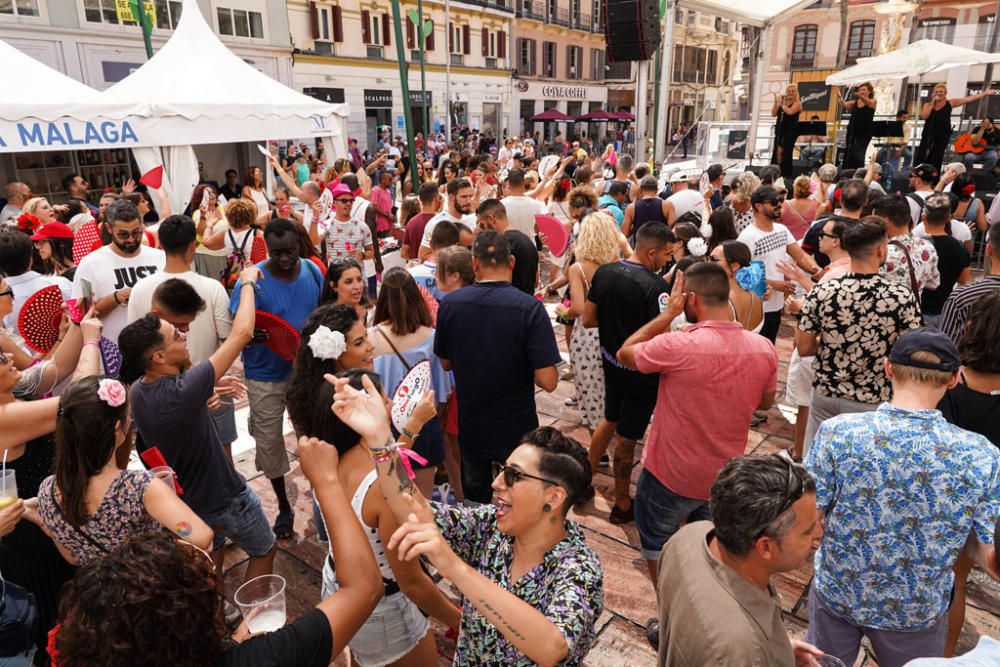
[125, 236]
[793, 492]
[7, 292]
[512, 476]
[344, 200]
[831, 236]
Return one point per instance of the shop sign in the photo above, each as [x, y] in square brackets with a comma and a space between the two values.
[42, 135]
[331, 95]
[378, 99]
[814, 95]
[493, 98]
[415, 98]
[557, 92]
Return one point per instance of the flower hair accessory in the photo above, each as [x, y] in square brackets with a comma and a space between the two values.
[111, 392]
[27, 222]
[697, 247]
[749, 276]
[326, 343]
[706, 229]
[968, 190]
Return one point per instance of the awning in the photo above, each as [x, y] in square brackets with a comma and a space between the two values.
[552, 115]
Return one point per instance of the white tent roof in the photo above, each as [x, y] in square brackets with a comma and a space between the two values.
[752, 12]
[44, 93]
[169, 83]
[917, 59]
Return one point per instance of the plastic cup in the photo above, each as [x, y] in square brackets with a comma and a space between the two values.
[8, 488]
[829, 661]
[166, 473]
[262, 603]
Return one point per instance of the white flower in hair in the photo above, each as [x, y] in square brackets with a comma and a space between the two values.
[706, 229]
[326, 343]
[697, 247]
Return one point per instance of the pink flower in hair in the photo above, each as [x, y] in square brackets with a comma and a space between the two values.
[111, 392]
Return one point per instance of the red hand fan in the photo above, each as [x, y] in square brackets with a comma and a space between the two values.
[258, 251]
[556, 237]
[39, 318]
[153, 458]
[282, 339]
[86, 240]
[431, 302]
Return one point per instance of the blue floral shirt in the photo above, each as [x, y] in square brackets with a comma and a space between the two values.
[567, 586]
[901, 490]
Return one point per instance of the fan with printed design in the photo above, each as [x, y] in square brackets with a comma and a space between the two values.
[282, 338]
[40, 317]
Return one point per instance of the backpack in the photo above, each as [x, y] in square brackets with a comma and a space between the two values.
[914, 197]
[235, 261]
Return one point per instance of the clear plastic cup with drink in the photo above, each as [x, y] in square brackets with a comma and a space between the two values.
[8, 488]
[828, 661]
[166, 473]
[262, 603]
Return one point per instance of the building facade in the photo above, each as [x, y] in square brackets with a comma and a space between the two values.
[346, 51]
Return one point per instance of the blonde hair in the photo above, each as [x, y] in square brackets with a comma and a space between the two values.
[240, 212]
[599, 239]
[800, 187]
[31, 204]
[746, 183]
[904, 373]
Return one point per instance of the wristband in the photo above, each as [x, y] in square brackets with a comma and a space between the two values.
[408, 433]
[93, 342]
[115, 296]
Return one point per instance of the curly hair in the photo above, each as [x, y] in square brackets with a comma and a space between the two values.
[308, 371]
[85, 442]
[152, 602]
[745, 184]
[599, 239]
[240, 212]
[977, 346]
[582, 196]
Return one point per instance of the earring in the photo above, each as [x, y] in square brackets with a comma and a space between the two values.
[546, 507]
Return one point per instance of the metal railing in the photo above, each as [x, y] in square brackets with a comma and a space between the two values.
[802, 61]
[560, 17]
[531, 9]
[374, 52]
[617, 71]
[854, 54]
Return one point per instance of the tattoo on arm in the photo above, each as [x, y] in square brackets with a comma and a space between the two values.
[396, 468]
[514, 632]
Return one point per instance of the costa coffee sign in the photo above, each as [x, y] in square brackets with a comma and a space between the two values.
[549, 91]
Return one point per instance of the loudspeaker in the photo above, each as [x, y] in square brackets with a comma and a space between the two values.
[631, 29]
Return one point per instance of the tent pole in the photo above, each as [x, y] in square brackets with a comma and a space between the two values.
[425, 113]
[758, 92]
[405, 85]
[447, 71]
[916, 115]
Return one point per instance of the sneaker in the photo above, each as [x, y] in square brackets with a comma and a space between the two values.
[653, 633]
[620, 516]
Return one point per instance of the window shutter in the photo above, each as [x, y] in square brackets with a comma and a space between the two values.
[314, 20]
[429, 44]
[531, 48]
[409, 34]
[338, 24]
[486, 42]
[466, 39]
[501, 45]
[569, 62]
[385, 30]
[366, 26]
[451, 37]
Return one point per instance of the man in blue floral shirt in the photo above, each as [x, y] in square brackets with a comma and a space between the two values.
[904, 492]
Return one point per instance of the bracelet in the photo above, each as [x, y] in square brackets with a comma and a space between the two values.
[408, 433]
[115, 295]
[251, 283]
[93, 342]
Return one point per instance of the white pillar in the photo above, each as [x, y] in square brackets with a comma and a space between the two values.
[758, 92]
[666, 67]
[642, 111]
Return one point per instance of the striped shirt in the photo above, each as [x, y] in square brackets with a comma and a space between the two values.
[960, 302]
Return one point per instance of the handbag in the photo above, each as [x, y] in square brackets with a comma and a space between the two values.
[19, 621]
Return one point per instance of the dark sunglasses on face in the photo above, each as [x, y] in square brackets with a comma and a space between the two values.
[7, 292]
[344, 200]
[512, 476]
[125, 236]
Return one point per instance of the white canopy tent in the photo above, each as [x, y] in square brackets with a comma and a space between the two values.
[759, 13]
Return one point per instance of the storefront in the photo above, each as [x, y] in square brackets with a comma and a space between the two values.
[416, 108]
[378, 113]
[492, 103]
[534, 97]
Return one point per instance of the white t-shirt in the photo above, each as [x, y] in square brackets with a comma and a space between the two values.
[959, 230]
[109, 272]
[686, 201]
[915, 208]
[770, 248]
[503, 156]
[468, 221]
[558, 210]
[521, 212]
[227, 244]
[359, 211]
[25, 286]
[209, 327]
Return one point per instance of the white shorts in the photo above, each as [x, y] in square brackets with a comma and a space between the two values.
[798, 387]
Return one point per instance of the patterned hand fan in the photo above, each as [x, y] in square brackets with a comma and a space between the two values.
[86, 240]
[39, 319]
[258, 251]
[111, 357]
[409, 392]
[432, 304]
[283, 339]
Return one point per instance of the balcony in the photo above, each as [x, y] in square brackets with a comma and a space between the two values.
[802, 61]
[502, 5]
[582, 22]
[374, 52]
[854, 54]
[560, 17]
[618, 71]
[531, 9]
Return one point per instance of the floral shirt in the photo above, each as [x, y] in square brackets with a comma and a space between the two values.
[347, 239]
[901, 490]
[858, 317]
[924, 258]
[567, 587]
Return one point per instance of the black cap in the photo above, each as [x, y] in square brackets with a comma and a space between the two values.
[519, 157]
[762, 194]
[926, 172]
[926, 339]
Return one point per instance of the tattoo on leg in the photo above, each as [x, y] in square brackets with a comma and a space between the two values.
[501, 620]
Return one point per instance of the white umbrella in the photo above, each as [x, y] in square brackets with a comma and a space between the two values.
[917, 59]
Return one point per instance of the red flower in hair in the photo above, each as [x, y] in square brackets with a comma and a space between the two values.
[27, 222]
[565, 184]
[968, 190]
[836, 194]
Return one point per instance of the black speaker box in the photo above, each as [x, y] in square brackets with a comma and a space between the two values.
[631, 29]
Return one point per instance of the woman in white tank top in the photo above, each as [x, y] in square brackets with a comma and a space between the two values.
[254, 190]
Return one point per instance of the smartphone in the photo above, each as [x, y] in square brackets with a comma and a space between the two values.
[86, 295]
[204, 198]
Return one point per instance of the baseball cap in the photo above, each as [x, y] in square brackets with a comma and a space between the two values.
[52, 230]
[926, 339]
[678, 177]
[926, 172]
[342, 189]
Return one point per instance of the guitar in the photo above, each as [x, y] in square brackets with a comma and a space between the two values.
[964, 144]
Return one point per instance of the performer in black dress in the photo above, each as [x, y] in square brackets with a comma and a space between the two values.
[786, 110]
[936, 115]
[861, 126]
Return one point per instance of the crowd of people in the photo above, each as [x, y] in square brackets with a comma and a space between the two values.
[320, 299]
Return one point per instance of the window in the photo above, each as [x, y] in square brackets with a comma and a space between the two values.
[939, 28]
[804, 46]
[859, 41]
[574, 62]
[240, 23]
[596, 65]
[691, 64]
[549, 59]
[375, 32]
[20, 7]
[525, 57]
[455, 41]
[712, 70]
[983, 31]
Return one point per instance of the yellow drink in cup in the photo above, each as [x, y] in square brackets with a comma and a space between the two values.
[8, 488]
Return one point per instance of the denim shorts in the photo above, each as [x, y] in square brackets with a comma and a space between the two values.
[225, 421]
[24, 659]
[393, 629]
[659, 513]
[244, 523]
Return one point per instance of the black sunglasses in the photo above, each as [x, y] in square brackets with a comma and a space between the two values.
[7, 292]
[793, 492]
[512, 476]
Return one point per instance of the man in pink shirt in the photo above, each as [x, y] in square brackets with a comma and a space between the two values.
[713, 375]
[381, 201]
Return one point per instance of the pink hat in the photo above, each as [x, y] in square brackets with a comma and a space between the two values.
[342, 189]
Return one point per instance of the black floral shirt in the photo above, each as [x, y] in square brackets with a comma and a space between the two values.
[858, 317]
[567, 586]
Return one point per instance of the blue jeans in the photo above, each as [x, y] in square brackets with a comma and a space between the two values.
[243, 522]
[987, 158]
[659, 513]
